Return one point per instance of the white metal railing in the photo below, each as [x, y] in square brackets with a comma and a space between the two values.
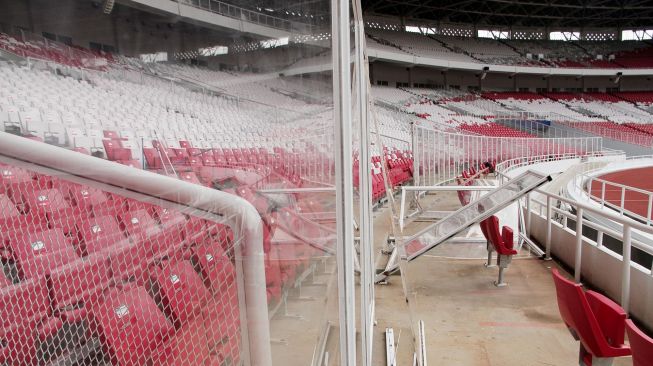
[588, 182]
[626, 196]
[237, 12]
[546, 208]
[507, 165]
[581, 126]
[440, 156]
[633, 138]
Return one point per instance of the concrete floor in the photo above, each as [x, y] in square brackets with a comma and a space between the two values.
[468, 321]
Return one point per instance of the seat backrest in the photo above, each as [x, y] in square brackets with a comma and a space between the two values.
[502, 242]
[640, 344]
[507, 238]
[577, 314]
[492, 231]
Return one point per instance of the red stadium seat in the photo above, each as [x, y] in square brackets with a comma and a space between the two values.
[215, 267]
[138, 224]
[75, 289]
[25, 322]
[640, 344]
[38, 253]
[167, 217]
[44, 201]
[500, 242]
[86, 198]
[190, 177]
[593, 319]
[99, 233]
[180, 288]
[115, 151]
[12, 220]
[130, 325]
[12, 175]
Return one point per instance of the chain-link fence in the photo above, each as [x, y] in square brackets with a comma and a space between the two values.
[93, 277]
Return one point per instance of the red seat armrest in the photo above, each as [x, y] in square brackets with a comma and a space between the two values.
[612, 317]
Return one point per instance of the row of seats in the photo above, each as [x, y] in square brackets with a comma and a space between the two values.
[41, 48]
[494, 129]
[600, 325]
[580, 54]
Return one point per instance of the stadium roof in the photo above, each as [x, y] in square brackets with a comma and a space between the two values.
[529, 13]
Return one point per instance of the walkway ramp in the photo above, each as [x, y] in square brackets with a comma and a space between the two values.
[412, 247]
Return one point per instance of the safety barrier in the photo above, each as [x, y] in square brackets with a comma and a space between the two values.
[441, 156]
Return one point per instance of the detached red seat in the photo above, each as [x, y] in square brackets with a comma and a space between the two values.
[500, 242]
[640, 344]
[593, 319]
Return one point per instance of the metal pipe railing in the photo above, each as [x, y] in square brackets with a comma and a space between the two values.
[546, 209]
[239, 13]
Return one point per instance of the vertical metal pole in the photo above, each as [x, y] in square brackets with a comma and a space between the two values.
[548, 229]
[602, 194]
[365, 198]
[413, 133]
[623, 200]
[432, 163]
[344, 180]
[528, 215]
[648, 210]
[625, 271]
[579, 244]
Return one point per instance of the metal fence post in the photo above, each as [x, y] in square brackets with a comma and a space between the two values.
[579, 244]
[547, 255]
[625, 272]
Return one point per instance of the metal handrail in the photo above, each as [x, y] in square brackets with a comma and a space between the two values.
[584, 182]
[239, 13]
[546, 209]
